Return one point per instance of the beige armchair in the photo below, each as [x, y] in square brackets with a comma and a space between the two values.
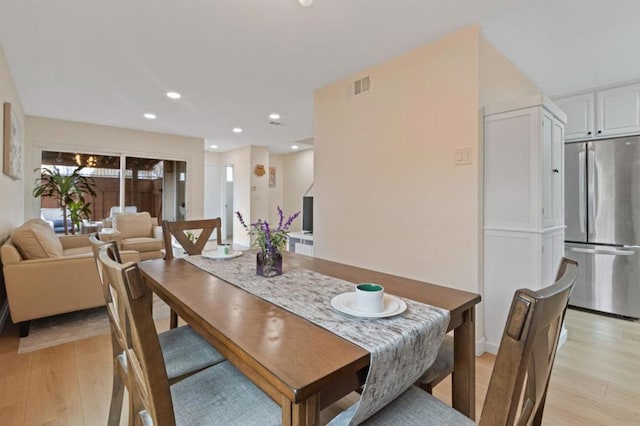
[139, 232]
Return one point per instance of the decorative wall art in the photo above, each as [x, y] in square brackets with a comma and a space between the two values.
[272, 177]
[259, 171]
[13, 142]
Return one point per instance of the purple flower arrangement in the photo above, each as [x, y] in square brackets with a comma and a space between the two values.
[270, 240]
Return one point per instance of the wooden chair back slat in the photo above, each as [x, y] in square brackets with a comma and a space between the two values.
[518, 386]
[115, 312]
[144, 357]
[177, 230]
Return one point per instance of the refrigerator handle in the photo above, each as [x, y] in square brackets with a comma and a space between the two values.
[592, 193]
[614, 252]
[581, 192]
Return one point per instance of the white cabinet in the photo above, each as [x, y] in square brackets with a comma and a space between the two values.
[580, 110]
[618, 111]
[602, 113]
[301, 243]
[552, 166]
[523, 201]
[523, 176]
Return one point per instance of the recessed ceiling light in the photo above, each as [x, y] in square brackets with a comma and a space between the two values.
[274, 116]
[305, 3]
[237, 130]
[149, 116]
[174, 95]
[294, 147]
[214, 147]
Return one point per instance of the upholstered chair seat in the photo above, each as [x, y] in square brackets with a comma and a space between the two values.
[142, 244]
[441, 367]
[416, 407]
[221, 395]
[185, 351]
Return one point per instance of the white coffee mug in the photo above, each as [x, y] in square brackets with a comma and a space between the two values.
[224, 249]
[369, 298]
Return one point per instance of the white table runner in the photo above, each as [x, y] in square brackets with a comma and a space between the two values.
[402, 347]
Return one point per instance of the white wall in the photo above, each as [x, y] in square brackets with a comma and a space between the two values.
[298, 177]
[240, 159]
[383, 169]
[276, 194]
[50, 134]
[11, 191]
[259, 184]
[11, 199]
[500, 80]
[212, 187]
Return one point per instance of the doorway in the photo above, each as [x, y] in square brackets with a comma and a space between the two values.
[228, 203]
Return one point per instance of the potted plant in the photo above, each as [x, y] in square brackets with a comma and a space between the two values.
[69, 191]
[271, 241]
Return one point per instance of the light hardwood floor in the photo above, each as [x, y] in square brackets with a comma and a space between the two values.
[595, 380]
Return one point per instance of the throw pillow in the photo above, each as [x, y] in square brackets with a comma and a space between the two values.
[36, 240]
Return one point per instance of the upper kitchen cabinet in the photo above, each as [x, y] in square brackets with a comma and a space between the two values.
[580, 110]
[618, 111]
[602, 113]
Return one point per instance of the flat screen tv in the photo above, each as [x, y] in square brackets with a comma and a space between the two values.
[307, 214]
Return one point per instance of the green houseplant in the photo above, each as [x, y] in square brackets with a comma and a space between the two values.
[69, 191]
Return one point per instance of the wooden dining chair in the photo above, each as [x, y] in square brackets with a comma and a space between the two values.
[183, 350]
[178, 231]
[518, 386]
[217, 395]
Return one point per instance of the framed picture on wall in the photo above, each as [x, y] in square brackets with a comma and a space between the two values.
[12, 142]
[272, 177]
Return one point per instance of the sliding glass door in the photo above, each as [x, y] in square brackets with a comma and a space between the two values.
[152, 185]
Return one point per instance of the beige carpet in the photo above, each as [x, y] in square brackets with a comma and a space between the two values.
[59, 329]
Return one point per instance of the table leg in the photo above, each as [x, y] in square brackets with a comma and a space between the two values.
[304, 413]
[464, 370]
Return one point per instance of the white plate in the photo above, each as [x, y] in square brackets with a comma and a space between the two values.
[214, 255]
[346, 303]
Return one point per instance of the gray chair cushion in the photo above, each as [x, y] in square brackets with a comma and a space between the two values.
[442, 366]
[417, 407]
[185, 351]
[221, 395]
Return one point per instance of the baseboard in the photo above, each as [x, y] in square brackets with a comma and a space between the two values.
[481, 346]
[4, 314]
[492, 348]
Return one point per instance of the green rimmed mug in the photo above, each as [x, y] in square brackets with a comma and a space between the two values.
[224, 249]
[369, 298]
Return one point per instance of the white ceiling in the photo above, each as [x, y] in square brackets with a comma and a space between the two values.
[236, 61]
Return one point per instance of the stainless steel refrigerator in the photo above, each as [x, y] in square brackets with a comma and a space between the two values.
[602, 214]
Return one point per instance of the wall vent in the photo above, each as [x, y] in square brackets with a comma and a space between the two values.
[359, 87]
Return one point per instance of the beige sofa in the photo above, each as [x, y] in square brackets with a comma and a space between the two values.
[46, 274]
[136, 231]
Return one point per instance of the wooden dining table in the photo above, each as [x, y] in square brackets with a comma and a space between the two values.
[302, 366]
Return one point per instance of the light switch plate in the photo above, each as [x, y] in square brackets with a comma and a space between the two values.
[462, 156]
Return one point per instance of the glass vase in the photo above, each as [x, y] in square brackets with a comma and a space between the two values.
[269, 264]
